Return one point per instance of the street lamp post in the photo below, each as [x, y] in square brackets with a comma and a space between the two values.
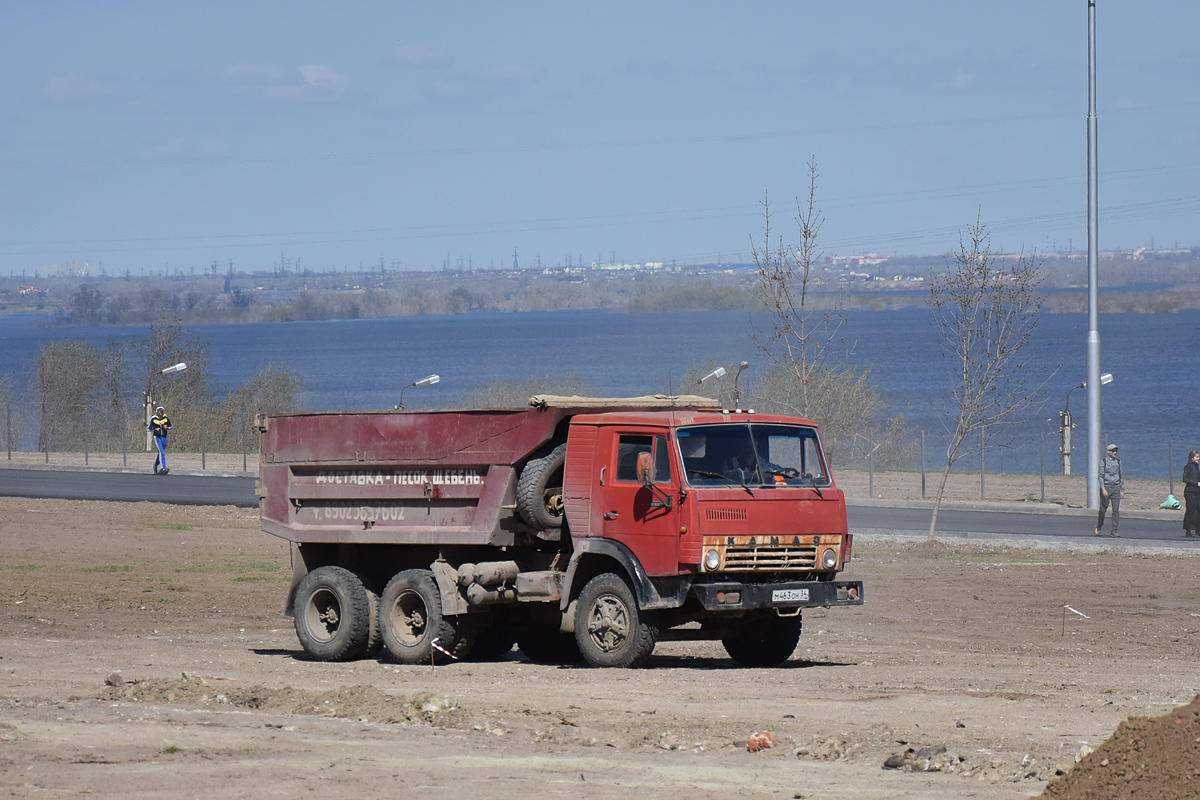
[148, 401]
[428, 380]
[737, 393]
[1093, 335]
[1067, 425]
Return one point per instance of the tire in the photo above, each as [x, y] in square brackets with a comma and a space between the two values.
[767, 641]
[610, 629]
[333, 614]
[543, 644]
[374, 643]
[540, 490]
[410, 619]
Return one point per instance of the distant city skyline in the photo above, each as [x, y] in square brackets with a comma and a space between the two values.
[145, 137]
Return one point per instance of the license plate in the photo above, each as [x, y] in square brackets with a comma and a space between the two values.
[789, 596]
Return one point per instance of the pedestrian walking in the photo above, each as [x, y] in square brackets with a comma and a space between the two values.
[160, 423]
[1191, 494]
[1112, 489]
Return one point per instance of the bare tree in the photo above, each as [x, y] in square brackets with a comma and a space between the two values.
[984, 315]
[11, 417]
[184, 394]
[272, 390]
[803, 328]
[801, 379]
[67, 374]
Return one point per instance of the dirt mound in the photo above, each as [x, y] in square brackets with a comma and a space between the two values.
[1155, 757]
[364, 703]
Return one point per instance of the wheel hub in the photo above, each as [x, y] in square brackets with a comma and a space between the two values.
[609, 623]
[411, 618]
[324, 616]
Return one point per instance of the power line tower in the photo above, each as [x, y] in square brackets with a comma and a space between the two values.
[515, 265]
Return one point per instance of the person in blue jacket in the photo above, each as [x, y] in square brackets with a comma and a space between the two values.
[160, 423]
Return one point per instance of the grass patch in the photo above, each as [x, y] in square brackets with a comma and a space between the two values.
[169, 526]
[170, 749]
[108, 568]
[27, 567]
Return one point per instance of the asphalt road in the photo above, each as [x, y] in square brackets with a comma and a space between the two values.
[129, 486]
[209, 490]
[983, 524]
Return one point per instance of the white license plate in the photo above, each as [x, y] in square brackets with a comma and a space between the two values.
[789, 596]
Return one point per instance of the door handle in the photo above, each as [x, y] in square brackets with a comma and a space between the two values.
[611, 515]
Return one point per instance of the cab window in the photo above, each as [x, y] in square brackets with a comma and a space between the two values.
[629, 447]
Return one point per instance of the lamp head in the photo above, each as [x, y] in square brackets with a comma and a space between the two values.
[428, 380]
[180, 367]
[716, 373]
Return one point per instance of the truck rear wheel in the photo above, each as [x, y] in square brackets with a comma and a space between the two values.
[767, 641]
[540, 489]
[374, 637]
[610, 628]
[411, 619]
[333, 614]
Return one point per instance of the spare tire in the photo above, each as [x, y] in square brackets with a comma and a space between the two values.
[540, 489]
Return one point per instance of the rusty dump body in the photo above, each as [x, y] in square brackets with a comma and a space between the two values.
[442, 478]
[575, 525]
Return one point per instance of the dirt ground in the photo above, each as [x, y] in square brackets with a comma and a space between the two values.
[145, 654]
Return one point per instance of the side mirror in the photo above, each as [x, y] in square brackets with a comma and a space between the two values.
[645, 468]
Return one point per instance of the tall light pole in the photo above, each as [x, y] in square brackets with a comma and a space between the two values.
[1093, 336]
[1067, 425]
[148, 401]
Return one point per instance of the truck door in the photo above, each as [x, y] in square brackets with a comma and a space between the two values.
[645, 521]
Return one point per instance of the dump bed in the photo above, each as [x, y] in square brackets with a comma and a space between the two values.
[411, 477]
[397, 477]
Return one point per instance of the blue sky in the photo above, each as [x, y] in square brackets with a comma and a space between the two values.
[146, 136]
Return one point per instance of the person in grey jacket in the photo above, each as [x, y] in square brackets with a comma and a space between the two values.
[1112, 489]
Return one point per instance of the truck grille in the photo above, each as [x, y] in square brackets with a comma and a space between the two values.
[770, 557]
[769, 553]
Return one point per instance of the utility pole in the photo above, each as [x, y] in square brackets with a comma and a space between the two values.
[1093, 336]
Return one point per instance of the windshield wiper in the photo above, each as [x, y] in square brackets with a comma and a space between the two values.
[721, 477]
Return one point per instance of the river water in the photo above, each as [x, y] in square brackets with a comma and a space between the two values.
[364, 363]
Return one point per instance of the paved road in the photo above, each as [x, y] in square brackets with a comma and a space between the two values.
[208, 490]
[128, 486]
[990, 523]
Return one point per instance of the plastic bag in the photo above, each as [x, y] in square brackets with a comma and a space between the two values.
[1170, 503]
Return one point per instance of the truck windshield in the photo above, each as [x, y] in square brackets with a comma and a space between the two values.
[752, 455]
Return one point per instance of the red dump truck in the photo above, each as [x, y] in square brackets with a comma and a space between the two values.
[574, 528]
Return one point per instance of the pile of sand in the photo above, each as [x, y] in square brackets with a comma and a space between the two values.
[1156, 757]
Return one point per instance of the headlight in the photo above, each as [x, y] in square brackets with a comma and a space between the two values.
[829, 559]
[712, 560]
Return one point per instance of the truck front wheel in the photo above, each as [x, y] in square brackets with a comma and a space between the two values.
[610, 628]
[767, 641]
[411, 619]
[333, 614]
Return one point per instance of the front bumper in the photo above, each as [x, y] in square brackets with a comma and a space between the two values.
[737, 596]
